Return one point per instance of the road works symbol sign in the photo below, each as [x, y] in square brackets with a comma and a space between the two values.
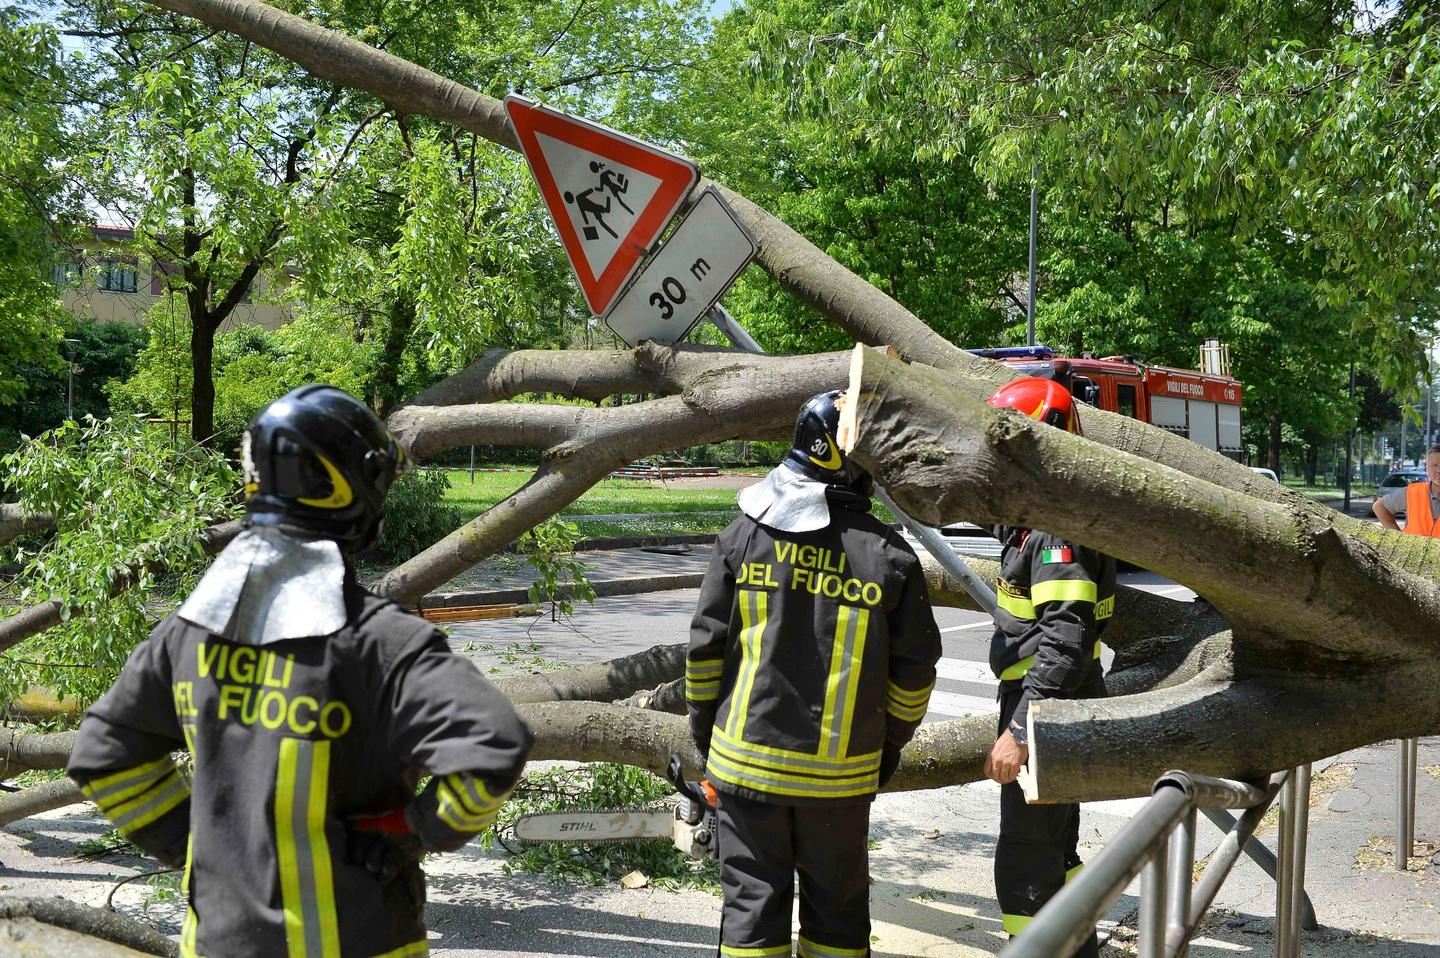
[699, 261]
[610, 195]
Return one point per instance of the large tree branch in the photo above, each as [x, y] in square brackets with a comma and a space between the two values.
[1280, 572]
[16, 520]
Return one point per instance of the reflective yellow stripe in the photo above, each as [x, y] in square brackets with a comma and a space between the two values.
[906, 713]
[145, 808]
[1063, 590]
[1014, 924]
[1074, 872]
[906, 696]
[188, 928]
[799, 762]
[113, 789]
[1018, 670]
[722, 768]
[1105, 607]
[702, 693]
[753, 608]
[455, 811]
[702, 679]
[408, 951]
[704, 669]
[809, 949]
[843, 681]
[862, 759]
[860, 626]
[1017, 605]
[908, 705]
[473, 794]
[762, 952]
[307, 886]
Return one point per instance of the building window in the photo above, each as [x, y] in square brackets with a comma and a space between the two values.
[65, 275]
[1125, 400]
[116, 276]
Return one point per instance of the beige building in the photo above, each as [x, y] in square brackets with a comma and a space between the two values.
[109, 282]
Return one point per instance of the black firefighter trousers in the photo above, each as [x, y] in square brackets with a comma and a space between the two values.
[1037, 850]
[762, 845]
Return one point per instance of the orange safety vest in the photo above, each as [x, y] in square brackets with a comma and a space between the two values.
[1418, 519]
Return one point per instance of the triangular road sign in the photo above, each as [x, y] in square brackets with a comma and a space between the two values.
[610, 194]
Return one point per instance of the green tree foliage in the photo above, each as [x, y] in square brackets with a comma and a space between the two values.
[252, 366]
[100, 351]
[33, 202]
[924, 229]
[230, 161]
[122, 496]
[1306, 122]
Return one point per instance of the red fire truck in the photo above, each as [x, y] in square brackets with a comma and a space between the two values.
[1201, 406]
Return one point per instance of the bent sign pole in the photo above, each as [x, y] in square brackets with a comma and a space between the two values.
[610, 194]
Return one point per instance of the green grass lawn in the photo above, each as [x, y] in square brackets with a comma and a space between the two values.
[609, 496]
[710, 510]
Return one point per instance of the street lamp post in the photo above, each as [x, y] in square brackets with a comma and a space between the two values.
[70, 380]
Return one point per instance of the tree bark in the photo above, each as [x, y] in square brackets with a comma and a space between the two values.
[91, 922]
[1289, 582]
[16, 520]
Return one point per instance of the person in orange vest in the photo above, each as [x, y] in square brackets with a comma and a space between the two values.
[1420, 501]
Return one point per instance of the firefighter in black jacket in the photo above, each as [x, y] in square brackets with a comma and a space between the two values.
[811, 660]
[1054, 600]
[310, 707]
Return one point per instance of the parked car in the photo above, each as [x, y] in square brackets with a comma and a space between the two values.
[1399, 479]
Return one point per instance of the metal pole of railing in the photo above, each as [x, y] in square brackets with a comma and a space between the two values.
[931, 539]
[1284, 864]
[1069, 918]
[1299, 839]
[1239, 836]
[1404, 803]
[1414, 777]
[1182, 863]
[1153, 902]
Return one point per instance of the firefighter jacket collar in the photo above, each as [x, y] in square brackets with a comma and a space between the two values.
[788, 501]
[268, 586]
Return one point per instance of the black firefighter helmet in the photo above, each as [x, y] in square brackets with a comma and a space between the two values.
[815, 453]
[319, 462]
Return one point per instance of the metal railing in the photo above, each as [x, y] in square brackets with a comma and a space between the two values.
[1160, 839]
[1409, 760]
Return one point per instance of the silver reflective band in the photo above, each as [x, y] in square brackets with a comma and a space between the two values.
[268, 586]
[787, 501]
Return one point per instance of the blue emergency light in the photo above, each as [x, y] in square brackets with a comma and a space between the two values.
[1014, 352]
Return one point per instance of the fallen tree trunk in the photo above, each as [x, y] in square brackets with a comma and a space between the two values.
[16, 520]
[93, 923]
[1310, 605]
[38, 798]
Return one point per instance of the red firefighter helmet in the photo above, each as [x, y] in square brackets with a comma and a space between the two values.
[1043, 400]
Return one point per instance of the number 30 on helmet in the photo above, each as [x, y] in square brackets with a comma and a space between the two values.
[1043, 400]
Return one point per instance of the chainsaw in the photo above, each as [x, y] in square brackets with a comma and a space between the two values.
[689, 823]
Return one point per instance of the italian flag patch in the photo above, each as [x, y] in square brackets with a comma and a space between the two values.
[1052, 556]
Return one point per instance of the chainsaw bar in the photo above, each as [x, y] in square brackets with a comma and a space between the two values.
[595, 827]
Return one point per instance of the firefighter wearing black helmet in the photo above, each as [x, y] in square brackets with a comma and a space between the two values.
[1054, 600]
[811, 661]
[311, 709]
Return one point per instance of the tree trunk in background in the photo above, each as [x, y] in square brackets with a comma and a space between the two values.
[400, 319]
[1272, 458]
[202, 372]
